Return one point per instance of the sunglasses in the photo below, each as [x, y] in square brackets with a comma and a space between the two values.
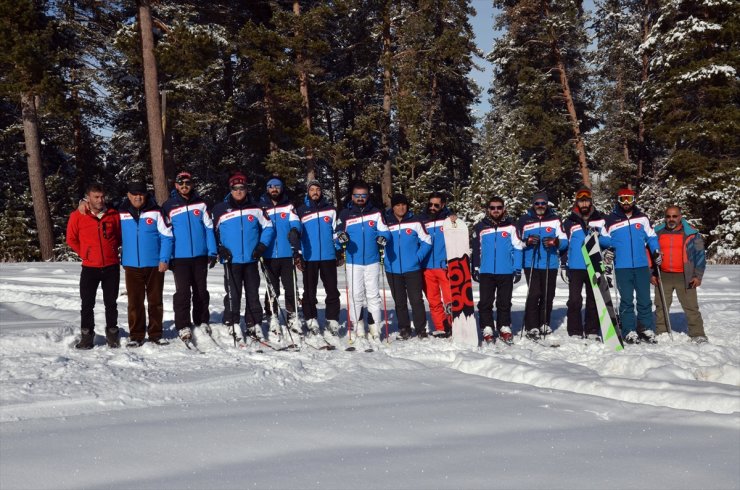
[434, 205]
[275, 186]
[359, 196]
[238, 188]
[137, 194]
[495, 207]
[672, 216]
[187, 182]
[540, 203]
[626, 199]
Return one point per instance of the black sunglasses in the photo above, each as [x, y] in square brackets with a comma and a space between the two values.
[184, 182]
[672, 216]
[540, 203]
[434, 205]
[495, 207]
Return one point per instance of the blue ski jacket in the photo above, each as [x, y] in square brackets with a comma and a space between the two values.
[147, 240]
[629, 237]
[497, 248]
[437, 258]
[240, 226]
[192, 227]
[546, 226]
[408, 246]
[577, 229]
[318, 220]
[283, 218]
[363, 226]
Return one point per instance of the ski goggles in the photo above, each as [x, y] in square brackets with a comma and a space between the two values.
[238, 188]
[626, 199]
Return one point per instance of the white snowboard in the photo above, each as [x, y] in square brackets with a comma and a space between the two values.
[457, 243]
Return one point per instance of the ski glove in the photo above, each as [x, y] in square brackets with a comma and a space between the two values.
[476, 274]
[294, 238]
[517, 276]
[298, 261]
[381, 241]
[212, 261]
[533, 240]
[258, 251]
[340, 259]
[342, 237]
[225, 253]
[609, 257]
[658, 257]
[552, 242]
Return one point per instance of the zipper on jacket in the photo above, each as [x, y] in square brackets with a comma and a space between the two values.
[100, 240]
[138, 254]
[241, 225]
[190, 230]
[495, 245]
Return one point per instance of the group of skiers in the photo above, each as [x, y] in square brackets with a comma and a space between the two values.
[271, 237]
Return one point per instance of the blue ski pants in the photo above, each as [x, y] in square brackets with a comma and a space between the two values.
[634, 284]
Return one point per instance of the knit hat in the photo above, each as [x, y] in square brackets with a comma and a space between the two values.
[137, 187]
[584, 193]
[540, 196]
[274, 182]
[624, 191]
[399, 199]
[237, 178]
[312, 183]
[184, 174]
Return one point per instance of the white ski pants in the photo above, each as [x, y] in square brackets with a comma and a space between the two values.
[363, 291]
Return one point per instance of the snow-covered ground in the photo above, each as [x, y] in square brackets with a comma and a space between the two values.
[411, 415]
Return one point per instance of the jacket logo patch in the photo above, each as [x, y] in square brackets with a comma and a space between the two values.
[149, 221]
[504, 234]
[326, 219]
[638, 226]
[371, 223]
[196, 212]
[283, 215]
[408, 231]
[548, 229]
[442, 228]
[250, 218]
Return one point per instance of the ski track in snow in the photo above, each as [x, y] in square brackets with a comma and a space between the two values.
[42, 375]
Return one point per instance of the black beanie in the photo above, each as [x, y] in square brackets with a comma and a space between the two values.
[540, 196]
[399, 199]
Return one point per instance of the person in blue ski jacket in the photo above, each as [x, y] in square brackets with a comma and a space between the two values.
[542, 232]
[145, 255]
[316, 254]
[436, 283]
[278, 257]
[633, 244]
[583, 218]
[361, 230]
[497, 266]
[244, 233]
[407, 248]
[194, 251]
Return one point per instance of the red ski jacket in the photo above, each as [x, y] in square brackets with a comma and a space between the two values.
[95, 240]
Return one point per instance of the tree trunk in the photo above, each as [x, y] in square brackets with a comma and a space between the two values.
[386, 184]
[36, 176]
[153, 112]
[641, 144]
[570, 105]
[303, 78]
[269, 105]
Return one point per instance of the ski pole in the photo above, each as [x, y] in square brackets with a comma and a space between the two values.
[385, 304]
[230, 297]
[271, 292]
[346, 290]
[665, 305]
[535, 256]
[545, 321]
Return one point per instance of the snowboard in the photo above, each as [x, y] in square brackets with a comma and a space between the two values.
[457, 243]
[600, 286]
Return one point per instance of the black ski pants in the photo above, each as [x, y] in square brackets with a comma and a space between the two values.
[498, 287]
[190, 281]
[243, 277]
[540, 294]
[407, 288]
[327, 270]
[280, 270]
[578, 278]
[90, 279]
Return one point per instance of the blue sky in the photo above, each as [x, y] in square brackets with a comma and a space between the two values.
[484, 34]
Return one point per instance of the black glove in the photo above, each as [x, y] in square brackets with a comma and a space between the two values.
[476, 274]
[517, 276]
[552, 242]
[658, 257]
[294, 238]
[298, 261]
[340, 259]
[343, 237]
[381, 241]
[212, 261]
[225, 253]
[533, 240]
[608, 258]
[258, 251]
